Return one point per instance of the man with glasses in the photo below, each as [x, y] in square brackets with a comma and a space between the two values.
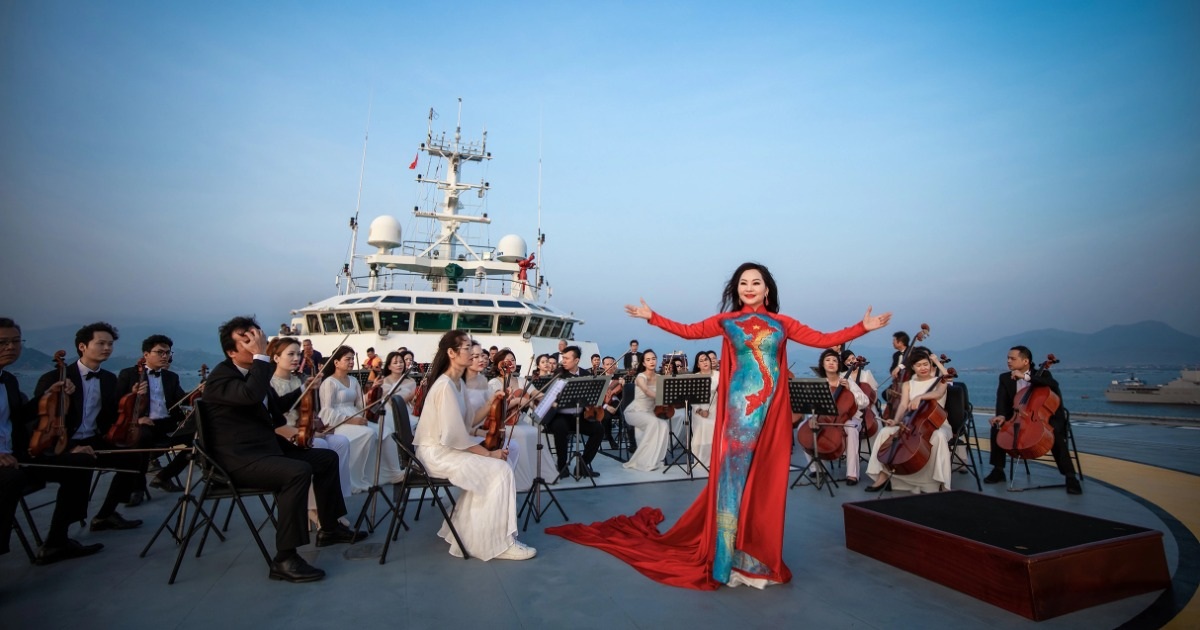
[565, 422]
[15, 413]
[162, 387]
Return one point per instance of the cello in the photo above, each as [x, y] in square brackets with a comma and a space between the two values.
[1028, 434]
[830, 443]
[909, 449]
[51, 431]
[125, 432]
[870, 418]
[892, 393]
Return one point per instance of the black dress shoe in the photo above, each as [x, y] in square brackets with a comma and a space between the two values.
[996, 476]
[851, 482]
[166, 485]
[887, 485]
[1073, 486]
[72, 549]
[136, 498]
[295, 569]
[586, 472]
[114, 521]
[338, 535]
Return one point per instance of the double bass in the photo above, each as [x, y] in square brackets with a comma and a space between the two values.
[51, 431]
[892, 393]
[125, 432]
[1028, 433]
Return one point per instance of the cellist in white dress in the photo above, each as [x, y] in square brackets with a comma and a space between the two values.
[486, 515]
[342, 411]
[925, 385]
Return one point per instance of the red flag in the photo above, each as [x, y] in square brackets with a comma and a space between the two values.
[414, 162]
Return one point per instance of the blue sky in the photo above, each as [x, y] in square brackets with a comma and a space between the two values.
[987, 167]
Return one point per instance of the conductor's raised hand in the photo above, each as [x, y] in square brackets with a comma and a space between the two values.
[643, 311]
[874, 322]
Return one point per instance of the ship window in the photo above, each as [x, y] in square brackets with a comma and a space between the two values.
[435, 300]
[534, 324]
[433, 321]
[395, 321]
[329, 322]
[472, 302]
[511, 324]
[398, 299]
[373, 298]
[352, 301]
[556, 331]
[473, 322]
[345, 322]
[314, 323]
[366, 320]
[546, 326]
[510, 304]
[566, 333]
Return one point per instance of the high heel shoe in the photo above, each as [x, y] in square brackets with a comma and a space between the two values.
[887, 485]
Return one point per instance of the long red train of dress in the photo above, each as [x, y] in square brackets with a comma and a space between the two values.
[748, 538]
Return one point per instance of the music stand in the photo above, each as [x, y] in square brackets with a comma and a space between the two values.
[690, 389]
[533, 498]
[811, 396]
[580, 392]
[376, 490]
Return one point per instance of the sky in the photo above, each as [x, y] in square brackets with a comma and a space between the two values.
[986, 167]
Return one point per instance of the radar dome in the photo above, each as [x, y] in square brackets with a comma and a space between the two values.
[384, 233]
[511, 249]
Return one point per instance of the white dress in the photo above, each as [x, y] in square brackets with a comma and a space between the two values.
[338, 404]
[650, 430]
[390, 470]
[486, 515]
[479, 394]
[335, 443]
[935, 476]
[852, 431]
[525, 437]
[702, 428]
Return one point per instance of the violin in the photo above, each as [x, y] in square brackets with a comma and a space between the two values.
[125, 432]
[1028, 434]
[909, 449]
[418, 401]
[307, 422]
[830, 442]
[870, 418]
[892, 394]
[596, 412]
[51, 432]
[498, 413]
[371, 407]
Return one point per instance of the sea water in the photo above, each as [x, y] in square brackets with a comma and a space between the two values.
[1083, 391]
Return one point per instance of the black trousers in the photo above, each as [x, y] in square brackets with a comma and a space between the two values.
[123, 483]
[161, 438]
[288, 476]
[563, 425]
[72, 498]
[1061, 451]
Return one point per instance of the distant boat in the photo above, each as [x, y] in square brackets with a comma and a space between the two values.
[1184, 390]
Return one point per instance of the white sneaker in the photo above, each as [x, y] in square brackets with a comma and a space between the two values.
[517, 551]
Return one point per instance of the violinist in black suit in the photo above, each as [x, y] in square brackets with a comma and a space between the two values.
[162, 387]
[1019, 376]
[563, 422]
[242, 438]
[93, 410]
[17, 416]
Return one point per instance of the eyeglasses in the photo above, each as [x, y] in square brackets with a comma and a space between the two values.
[9, 343]
[162, 353]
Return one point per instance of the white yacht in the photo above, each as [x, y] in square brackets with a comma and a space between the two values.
[1184, 390]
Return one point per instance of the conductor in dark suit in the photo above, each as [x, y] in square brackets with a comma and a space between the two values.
[17, 417]
[92, 412]
[1017, 379]
[563, 423]
[164, 392]
[241, 432]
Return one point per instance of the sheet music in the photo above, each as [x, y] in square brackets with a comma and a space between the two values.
[551, 395]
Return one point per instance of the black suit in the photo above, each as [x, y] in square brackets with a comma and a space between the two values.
[159, 434]
[562, 425]
[241, 433]
[123, 483]
[71, 503]
[1006, 392]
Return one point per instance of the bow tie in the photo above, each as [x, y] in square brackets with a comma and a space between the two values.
[91, 375]
[155, 373]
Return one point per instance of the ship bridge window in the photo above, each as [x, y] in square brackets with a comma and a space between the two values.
[352, 301]
[473, 302]
[435, 300]
[474, 322]
[535, 323]
[366, 320]
[566, 333]
[556, 330]
[547, 324]
[397, 299]
[395, 321]
[328, 322]
[510, 304]
[314, 323]
[368, 300]
[511, 325]
[435, 322]
[345, 322]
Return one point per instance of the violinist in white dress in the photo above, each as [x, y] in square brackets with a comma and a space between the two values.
[652, 432]
[342, 412]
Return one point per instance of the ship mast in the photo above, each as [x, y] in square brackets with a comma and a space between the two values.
[348, 268]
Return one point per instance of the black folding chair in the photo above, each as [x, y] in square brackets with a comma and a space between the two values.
[960, 414]
[416, 476]
[217, 486]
